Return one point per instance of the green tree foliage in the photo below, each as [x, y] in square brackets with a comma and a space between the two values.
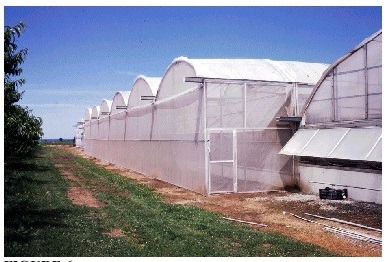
[22, 130]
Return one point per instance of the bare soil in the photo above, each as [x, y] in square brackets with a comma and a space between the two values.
[78, 195]
[274, 209]
[83, 197]
[116, 232]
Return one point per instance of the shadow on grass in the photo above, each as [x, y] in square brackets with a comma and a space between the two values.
[23, 220]
[35, 203]
[25, 167]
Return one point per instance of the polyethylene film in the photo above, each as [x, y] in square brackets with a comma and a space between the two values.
[356, 90]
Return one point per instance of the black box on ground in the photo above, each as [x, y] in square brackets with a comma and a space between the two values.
[333, 194]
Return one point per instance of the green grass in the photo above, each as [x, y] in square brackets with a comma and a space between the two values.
[41, 221]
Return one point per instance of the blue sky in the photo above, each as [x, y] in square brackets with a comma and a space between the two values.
[81, 55]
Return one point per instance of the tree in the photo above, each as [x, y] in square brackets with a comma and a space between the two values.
[22, 130]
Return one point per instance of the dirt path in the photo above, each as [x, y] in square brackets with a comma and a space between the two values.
[78, 194]
[268, 208]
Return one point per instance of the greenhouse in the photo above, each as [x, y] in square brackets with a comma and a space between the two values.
[79, 132]
[341, 145]
[143, 91]
[214, 125]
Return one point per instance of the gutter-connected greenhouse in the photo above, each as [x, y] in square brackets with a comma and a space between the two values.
[211, 126]
[230, 125]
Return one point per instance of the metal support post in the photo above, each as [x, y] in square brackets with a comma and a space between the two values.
[126, 113]
[297, 109]
[206, 141]
[235, 160]
[334, 89]
[366, 81]
[109, 128]
[245, 105]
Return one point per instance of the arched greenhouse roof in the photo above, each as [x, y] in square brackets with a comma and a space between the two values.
[143, 91]
[95, 112]
[353, 83]
[343, 115]
[173, 81]
[120, 102]
[106, 106]
[87, 114]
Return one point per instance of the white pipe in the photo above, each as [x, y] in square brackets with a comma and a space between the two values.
[354, 236]
[344, 231]
[246, 222]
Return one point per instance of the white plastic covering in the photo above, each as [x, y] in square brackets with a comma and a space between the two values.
[253, 69]
[143, 91]
[351, 88]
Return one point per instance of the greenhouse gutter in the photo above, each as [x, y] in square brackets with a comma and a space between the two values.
[227, 80]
